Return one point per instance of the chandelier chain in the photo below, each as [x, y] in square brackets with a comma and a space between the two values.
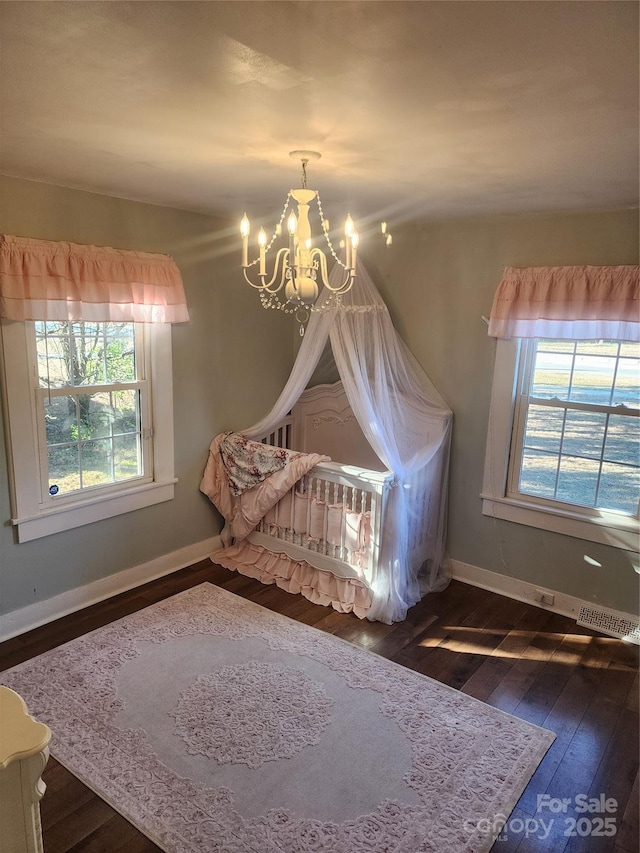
[273, 301]
[326, 233]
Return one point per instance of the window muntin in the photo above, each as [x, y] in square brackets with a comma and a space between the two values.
[576, 425]
[92, 406]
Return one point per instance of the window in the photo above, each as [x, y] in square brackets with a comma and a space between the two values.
[576, 427]
[89, 417]
[563, 450]
[92, 406]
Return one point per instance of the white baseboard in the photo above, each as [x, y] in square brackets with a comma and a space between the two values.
[557, 602]
[26, 618]
[34, 615]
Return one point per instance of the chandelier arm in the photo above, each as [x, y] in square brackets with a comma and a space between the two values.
[347, 284]
[283, 273]
[279, 267]
[280, 264]
[348, 278]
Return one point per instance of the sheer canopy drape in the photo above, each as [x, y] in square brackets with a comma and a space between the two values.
[44, 280]
[406, 422]
[573, 302]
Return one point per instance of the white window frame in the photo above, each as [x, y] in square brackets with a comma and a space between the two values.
[595, 525]
[32, 513]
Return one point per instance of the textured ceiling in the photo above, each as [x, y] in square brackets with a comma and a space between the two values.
[420, 109]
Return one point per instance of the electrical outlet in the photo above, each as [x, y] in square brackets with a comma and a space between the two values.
[543, 597]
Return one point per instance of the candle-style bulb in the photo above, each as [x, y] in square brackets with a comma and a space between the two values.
[244, 226]
[348, 226]
[389, 239]
[292, 224]
[262, 242]
[383, 227]
[349, 231]
[354, 249]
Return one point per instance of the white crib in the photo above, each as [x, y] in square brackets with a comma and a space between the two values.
[334, 518]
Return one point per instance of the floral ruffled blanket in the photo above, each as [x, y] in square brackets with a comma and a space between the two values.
[248, 463]
[241, 486]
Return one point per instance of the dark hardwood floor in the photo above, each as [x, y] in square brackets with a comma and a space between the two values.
[531, 663]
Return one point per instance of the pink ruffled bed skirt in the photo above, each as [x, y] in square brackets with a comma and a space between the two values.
[346, 595]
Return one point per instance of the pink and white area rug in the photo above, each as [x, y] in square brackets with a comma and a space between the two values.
[215, 725]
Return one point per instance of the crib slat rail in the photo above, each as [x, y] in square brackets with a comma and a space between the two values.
[331, 519]
[281, 436]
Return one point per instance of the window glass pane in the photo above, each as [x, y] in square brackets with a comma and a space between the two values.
[584, 433]
[125, 411]
[544, 428]
[627, 387]
[83, 327]
[538, 473]
[120, 353]
[597, 348]
[629, 349]
[97, 462]
[54, 368]
[592, 380]
[619, 488]
[623, 440]
[61, 420]
[52, 372]
[546, 345]
[87, 354]
[126, 456]
[64, 468]
[551, 375]
[99, 415]
[578, 480]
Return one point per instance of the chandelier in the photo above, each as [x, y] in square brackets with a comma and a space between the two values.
[300, 266]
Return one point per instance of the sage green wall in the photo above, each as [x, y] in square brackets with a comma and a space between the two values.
[438, 279]
[229, 365]
[232, 358]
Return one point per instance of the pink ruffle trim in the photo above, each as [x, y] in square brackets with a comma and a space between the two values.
[45, 280]
[321, 587]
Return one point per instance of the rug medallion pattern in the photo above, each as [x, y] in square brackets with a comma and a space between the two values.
[252, 713]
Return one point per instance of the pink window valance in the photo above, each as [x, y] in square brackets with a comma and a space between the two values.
[43, 280]
[577, 303]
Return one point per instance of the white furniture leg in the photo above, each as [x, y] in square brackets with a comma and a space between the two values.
[24, 752]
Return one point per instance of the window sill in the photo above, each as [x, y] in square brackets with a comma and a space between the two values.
[70, 515]
[607, 529]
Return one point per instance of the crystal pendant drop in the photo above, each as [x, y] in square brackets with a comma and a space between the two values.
[301, 330]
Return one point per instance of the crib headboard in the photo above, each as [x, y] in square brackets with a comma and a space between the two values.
[323, 422]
